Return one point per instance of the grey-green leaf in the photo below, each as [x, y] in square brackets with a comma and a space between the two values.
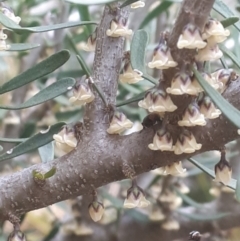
[220, 7]
[230, 55]
[162, 7]
[46, 152]
[8, 23]
[211, 173]
[229, 21]
[22, 47]
[228, 110]
[34, 142]
[39, 70]
[238, 189]
[138, 46]
[50, 92]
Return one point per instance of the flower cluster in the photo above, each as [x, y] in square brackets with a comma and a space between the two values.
[66, 139]
[8, 12]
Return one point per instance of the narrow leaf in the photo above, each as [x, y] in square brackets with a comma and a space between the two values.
[46, 152]
[228, 110]
[238, 189]
[230, 55]
[155, 12]
[131, 100]
[50, 173]
[229, 21]
[90, 2]
[50, 92]
[39, 70]
[12, 140]
[211, 173]
[204, 217]
[220, 7]
[34, 142]
[138, 46]
[22, 47]
[8, 23]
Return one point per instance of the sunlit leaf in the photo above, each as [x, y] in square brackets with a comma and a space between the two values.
[8, 23]
[138, 46]
[224, 10]
[39, 70]
[229, 21]
[52, 91]
[162, 7]
[34, 142]
[22, 47]
[46, 152]
[230, 54]
[228, 110]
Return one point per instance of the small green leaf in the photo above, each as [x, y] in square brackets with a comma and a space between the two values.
[90, 2]
[162, 7]
[131, 100]
[211, 173]
[50, 173]
[229, 21]
[220, 7]
[34, 142]
[46, 152]
[238, 189]
[37, 175]
[22, 47]
[39, 70]
[204, 217]
[8, 23]
[230, 55]
[228, 110]
[128, 2]
[83, 65]
[138, 46]
[50, 92]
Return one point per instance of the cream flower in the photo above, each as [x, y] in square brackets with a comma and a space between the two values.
[162, 58]
[223, 171]
[208, 109]
[167, 196]
[156, 214]
[96, 210]
[191, 38]
[130, 76]
[118, 30]
[210, 79]
[171, 224]
[210, 53]
[192, 117]
[175, 169]
[176, 203]
[65, 140]
[162, 141]
[216, 31]
[138, 4]
[135, 198]
[182, 187]
[89, 46]
[82, 94]
[119, 123]
[186, 143]
[182, 84]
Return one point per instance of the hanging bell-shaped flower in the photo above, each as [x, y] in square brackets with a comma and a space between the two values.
[96, 210]
[175, 169]
[130, 76]
[119, 29]
[208, 109]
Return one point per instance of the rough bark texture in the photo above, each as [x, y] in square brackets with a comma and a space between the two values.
[101, 158]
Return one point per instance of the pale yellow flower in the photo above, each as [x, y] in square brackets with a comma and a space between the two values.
[96, 210]
[118, 30]
[186, 143]
[119, 123]
[191, 38]
[208, 109]
[130, 76]
[88, 46]
[156, 214]
[182, 187]
[175, 169]
[215, 30]
[162, 141]
[138, 4]
[223, 172]
[192, 116]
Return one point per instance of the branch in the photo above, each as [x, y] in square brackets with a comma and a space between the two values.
[101, 158]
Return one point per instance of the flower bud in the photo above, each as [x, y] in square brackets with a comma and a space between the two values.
[186, 143]
[135, 198]
[175, 169]
[137, 4]
[192, 116]
[162, 58]
[191, 38]
[223, 170]
[96, 210]
[119, 123]
[119, 29]
[208, 109]
[129, 75]
[215, 30]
